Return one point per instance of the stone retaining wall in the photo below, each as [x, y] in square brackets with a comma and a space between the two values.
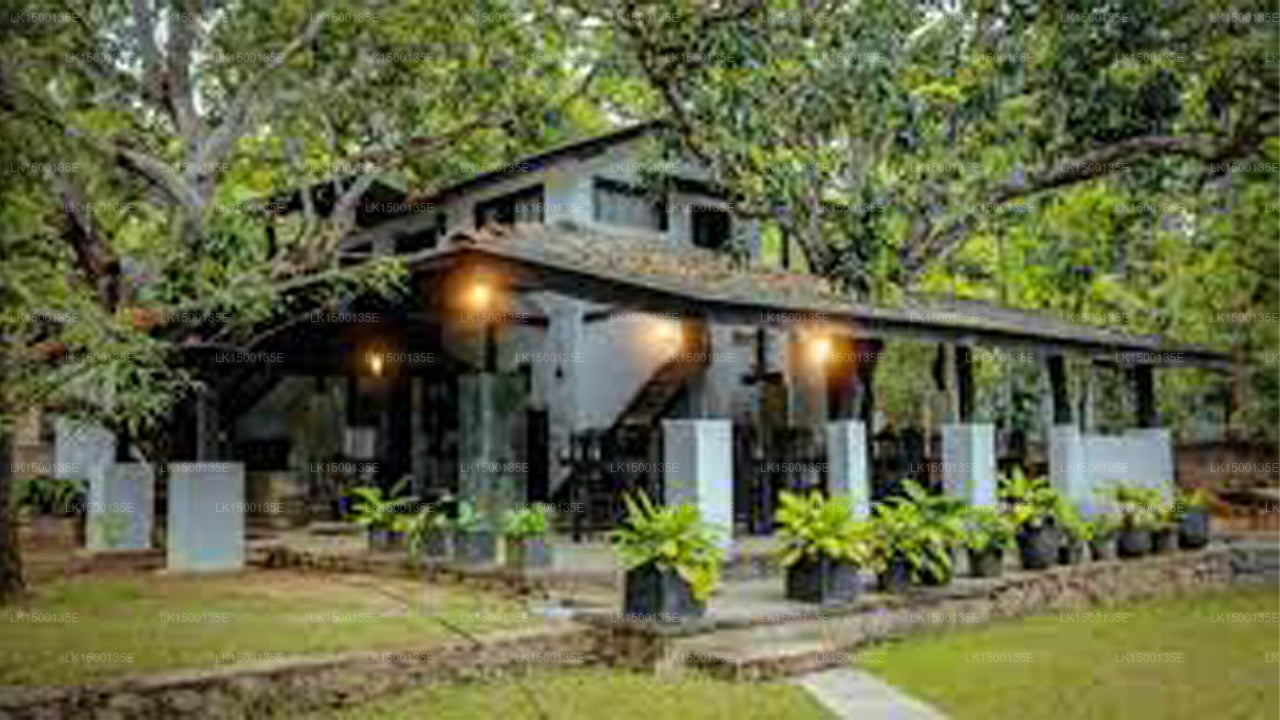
[293, 685]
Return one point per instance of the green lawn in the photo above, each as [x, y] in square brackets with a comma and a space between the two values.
[1171, 659]
[88, 629]
[595, 694]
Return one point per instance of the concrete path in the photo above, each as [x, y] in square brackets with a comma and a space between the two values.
[855, 695]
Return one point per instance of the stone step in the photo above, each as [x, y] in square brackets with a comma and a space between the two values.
[768, 661]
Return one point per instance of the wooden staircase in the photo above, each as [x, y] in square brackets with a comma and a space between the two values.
[657, 395]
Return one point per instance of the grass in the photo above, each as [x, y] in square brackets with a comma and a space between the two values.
[94, 628]
[1064, 668]
[592, 694]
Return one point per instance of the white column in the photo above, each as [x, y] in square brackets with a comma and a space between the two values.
[969, 462]
[698, 469]
[121, 508]
[1069, 471]
[1153, 454]
[847, 465]
[206, 516]
[82, 450]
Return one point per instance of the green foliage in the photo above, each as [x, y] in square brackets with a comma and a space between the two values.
[672, 538]
[987, 528]
[526, 522]
[1068, 518]
[51, 496]
[111, 528]
[377, 511]
[1139, 507]
[812, 526]
[920, 532]
[424, 524]
[468, 519]
[1030, 502]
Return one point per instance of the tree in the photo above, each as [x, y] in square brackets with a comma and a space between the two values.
[150, 133]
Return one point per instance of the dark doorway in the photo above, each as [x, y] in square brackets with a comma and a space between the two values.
[711, 228]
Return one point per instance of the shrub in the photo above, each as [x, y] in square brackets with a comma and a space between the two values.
[526, 522]
[987, 528]
[672, 538]
[813, 526]
[378, 512]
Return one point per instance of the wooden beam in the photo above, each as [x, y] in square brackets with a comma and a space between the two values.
[1059, 389]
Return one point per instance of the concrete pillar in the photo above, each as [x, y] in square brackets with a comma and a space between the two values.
[698, 469]
[121, 508]
[206, 517]
[82, 450]
[1069, 471]
[560, 381]
[969, 462]
[1153, 458]
[490, 471]
[847, 465]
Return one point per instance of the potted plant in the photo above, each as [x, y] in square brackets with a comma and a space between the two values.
[1193, 519]
[1074, 531]
[1103, 528]
[428, 533]
[944, 526]
[823, 548]
[1164, 531]
[987, 534]
[1030, 503]
[382, 515]
[525, 535]
[54, 509]
[672, 559]
[1136, 506]
[474, 541]
[913, 547]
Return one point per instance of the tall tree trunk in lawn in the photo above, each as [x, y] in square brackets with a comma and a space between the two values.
[10, 558]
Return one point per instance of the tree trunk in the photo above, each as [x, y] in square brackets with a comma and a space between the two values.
[10, 558]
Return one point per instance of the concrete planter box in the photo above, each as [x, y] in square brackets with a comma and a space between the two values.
[1103, 548]
[436, 544]
[660, 594]
[1164, 540]
[1133, 543]
[822, 580]
[528, 553]
[385, 540]
[896, 576]
[1071, 553]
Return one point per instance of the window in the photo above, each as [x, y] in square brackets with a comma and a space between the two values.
[615, 203]
[422, 238]
[711, 228]
[522, 206]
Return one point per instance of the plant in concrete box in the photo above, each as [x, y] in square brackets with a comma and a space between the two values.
[1193, 518]
[1030, 504]
[913, 547]
[1164, 532]
[672, 558]
[987, 534]
[110, 529]
[1137, 507]
[55, 510]
[383, 515]
[823, 547]
[428, 532]
[474, 541]
[525, 532]
[1075, 532]
[1103, 528]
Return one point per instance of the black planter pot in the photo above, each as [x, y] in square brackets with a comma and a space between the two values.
[475, 547]
[896, 576]
[1037, 547]
[436, 544]
[1071, 552]
[385, 540]
[659, 594]
[1193, 530]
[1103, 548]
[527, 553]
[1133, 542]
[822, 580]
[1164, 540]
[986, 563]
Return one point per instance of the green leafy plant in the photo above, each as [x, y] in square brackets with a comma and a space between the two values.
[52, 496]
[942, 512]
[467, 519]
[377, 511]
[987, 528]
[1029, 502]
[111, 528]
[1188, 500]
[672, 538]
[526, 522]
[1102, 524]
[813, 526]
[904, 531]
[422, 525]
[1138, 506]
[1071, 521]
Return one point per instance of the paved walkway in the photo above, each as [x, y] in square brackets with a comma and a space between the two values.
[855, 695]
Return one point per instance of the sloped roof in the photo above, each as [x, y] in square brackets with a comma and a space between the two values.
[657, 273]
